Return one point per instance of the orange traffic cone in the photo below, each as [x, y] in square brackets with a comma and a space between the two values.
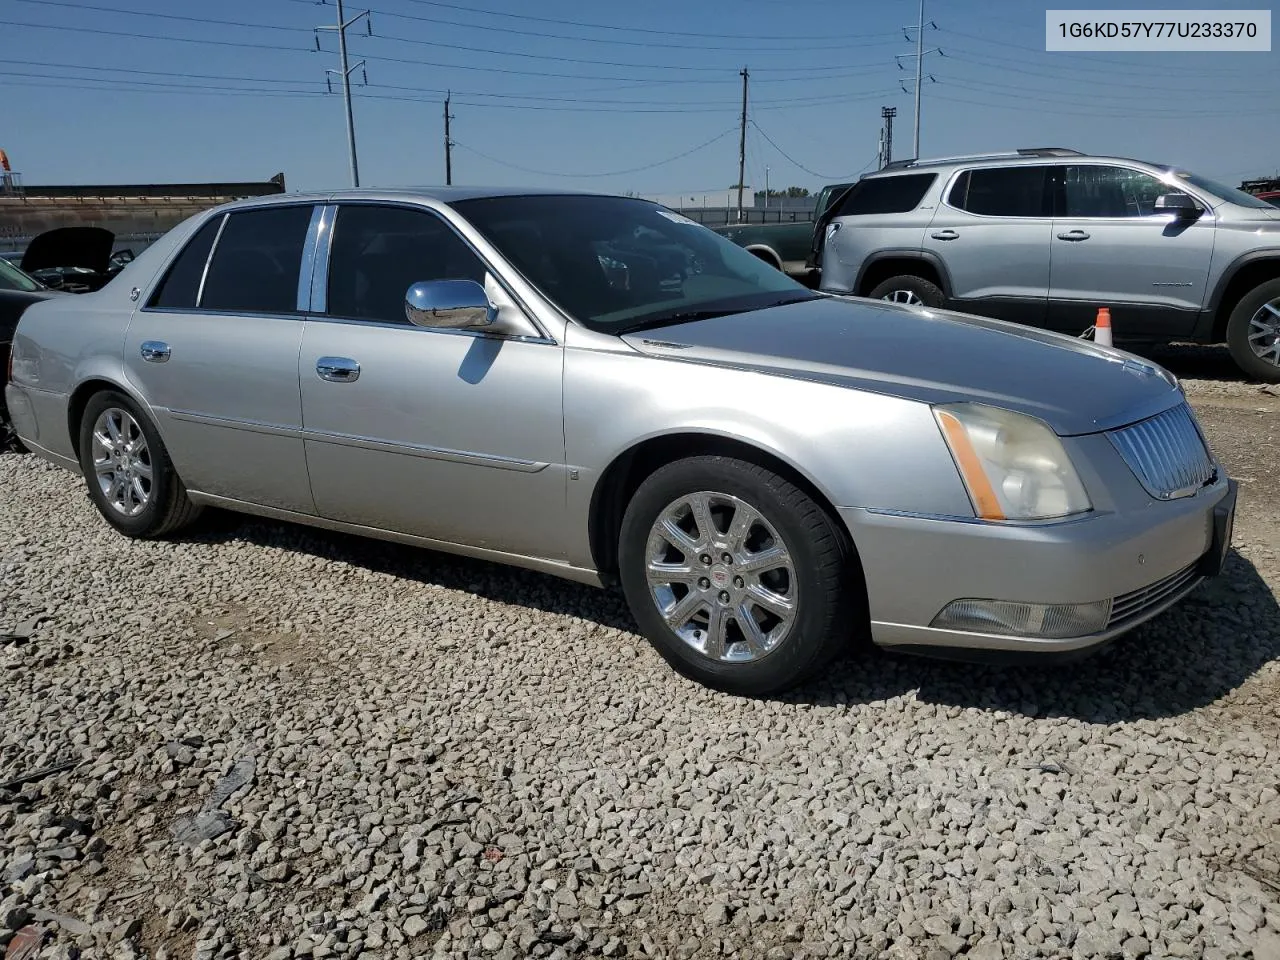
[1102, 327]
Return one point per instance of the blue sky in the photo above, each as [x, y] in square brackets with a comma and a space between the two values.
[559, 92]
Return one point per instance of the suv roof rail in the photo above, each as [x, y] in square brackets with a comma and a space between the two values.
[998, 155]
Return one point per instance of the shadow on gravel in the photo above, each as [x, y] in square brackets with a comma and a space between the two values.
[1190, 656]
[1191, 361]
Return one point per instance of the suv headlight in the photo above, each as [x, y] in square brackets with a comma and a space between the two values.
[1013, 466]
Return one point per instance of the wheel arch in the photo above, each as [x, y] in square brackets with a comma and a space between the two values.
[624, 474]
[86, 389]
[1242, 276]
[766, 253]
[881, 266]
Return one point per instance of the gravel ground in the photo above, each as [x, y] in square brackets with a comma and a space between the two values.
[283, 743]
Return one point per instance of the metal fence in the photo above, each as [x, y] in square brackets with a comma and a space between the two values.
[719, 216]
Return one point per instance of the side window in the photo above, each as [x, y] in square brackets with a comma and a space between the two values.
[178, 289]
[379, 252]
[1002, 192]
[1097, 191]
[257, 261]
[898, 194]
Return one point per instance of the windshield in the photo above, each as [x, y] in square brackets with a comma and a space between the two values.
[11, 278]
[1230, 194]
[618, 264]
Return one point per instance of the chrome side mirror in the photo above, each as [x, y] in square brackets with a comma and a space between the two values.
[1179, 204]
[449, 304]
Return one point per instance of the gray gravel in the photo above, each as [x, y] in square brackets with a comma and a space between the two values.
[294, 744]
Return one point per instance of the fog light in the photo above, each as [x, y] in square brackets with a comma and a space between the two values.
[1050, 621]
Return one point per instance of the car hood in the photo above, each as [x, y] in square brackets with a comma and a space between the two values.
[88, 247]
[934, 356]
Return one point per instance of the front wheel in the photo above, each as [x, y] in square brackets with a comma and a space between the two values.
[130, 477]
[909, 289]
[739, 579]
[1253, 332]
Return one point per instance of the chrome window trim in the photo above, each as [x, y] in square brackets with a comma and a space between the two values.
[318, 294]
[167, 266]
[486, 262]
[204, 273]
[305, 269]
[945, 199]
[385, 325]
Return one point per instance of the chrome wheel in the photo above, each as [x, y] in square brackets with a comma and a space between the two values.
[1264, 333]
[122, 462]
[909, 297]
[721, 576]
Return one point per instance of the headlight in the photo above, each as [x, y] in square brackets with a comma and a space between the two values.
[1014, 466]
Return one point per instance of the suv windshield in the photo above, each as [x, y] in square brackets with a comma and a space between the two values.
[1230, 194]
[618, 264]
[11, 278]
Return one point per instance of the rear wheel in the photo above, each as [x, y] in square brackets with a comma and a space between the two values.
[909, 289]
[1253, 332]
[130, 477]
[741, 581]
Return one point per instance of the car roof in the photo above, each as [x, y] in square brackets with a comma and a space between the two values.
[440, 194]
[1040, 155]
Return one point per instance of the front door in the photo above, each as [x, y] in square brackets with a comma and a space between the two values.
[1111, 249]
[455, 436]
[991, 232]
[215, 353]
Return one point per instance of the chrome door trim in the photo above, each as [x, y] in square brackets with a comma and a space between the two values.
[338, 369]
[308, 259]
[253, 426]
[469, 457]
[322, 242]
[556, 568]
[204, 273]
[155, 351]
[483, 334]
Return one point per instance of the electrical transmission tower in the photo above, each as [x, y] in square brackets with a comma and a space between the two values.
[345, 71]
[920, 77]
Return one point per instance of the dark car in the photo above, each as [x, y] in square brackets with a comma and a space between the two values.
[74, 259]
[17, 292]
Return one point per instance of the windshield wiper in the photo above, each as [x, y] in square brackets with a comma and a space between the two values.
[672, 319]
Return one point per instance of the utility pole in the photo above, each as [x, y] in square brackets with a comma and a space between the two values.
[880, 164]
[888, 113]
[346, 71]
[919, 76]
[742, 143]
[766, 186]
[448, 144]
[920, 54]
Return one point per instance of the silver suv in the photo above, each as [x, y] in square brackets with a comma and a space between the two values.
[1046, 236]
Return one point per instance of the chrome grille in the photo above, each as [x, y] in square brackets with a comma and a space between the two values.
[1166, 453]
[1129, 606]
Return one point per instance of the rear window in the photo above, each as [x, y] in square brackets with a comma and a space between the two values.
[256, 265]
[1002, 192]
[178, 289]
[886, 194]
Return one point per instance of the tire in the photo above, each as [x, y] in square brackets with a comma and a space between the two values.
[822, 583]
[147, 509]
[1258, 304]
[910, 289]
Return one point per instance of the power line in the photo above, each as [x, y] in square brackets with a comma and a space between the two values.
[793, 160]
[612, 173]
[702, 45]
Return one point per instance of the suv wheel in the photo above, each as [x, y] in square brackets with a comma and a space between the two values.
[738, 578]
[1253, 332]
[909, 289]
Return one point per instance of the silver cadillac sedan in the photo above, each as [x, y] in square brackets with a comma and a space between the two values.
[599, 388]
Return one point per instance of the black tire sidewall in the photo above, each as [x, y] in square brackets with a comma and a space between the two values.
[803, 648]
[1238, 332]
[926, 290]
[152, 518]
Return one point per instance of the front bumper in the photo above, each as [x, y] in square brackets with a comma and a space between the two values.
[1144, 561]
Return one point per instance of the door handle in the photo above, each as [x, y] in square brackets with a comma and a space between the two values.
[945, 235]
[154, 351]
[338, 369]
[1075, 236]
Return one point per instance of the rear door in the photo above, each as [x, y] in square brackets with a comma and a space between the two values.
[1111, 249]
[991, 233]
[215, 353]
